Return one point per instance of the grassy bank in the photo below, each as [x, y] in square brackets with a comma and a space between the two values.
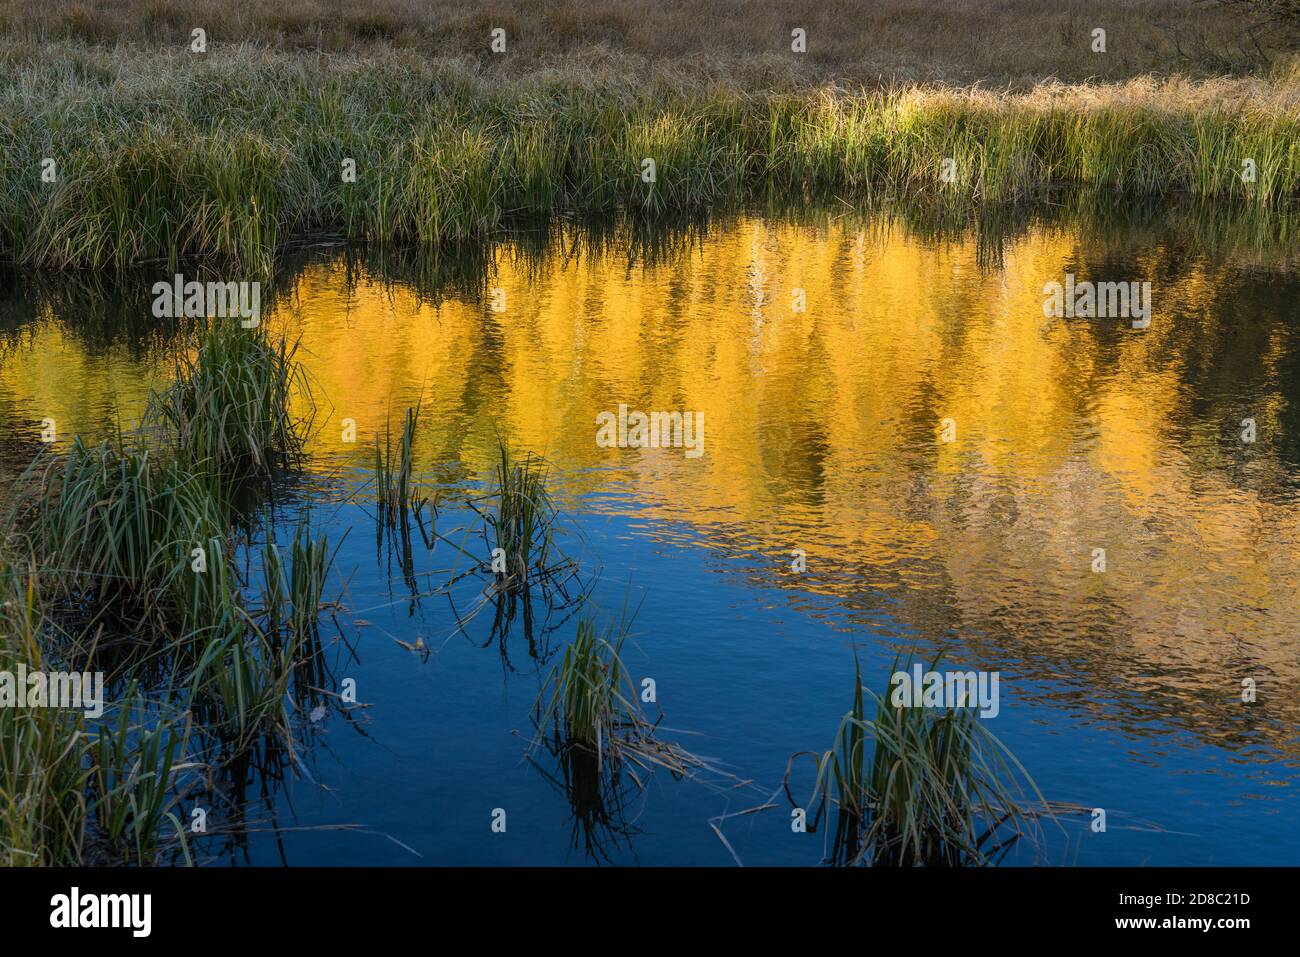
[236, 153]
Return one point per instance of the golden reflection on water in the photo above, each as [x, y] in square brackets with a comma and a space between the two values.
[822, 432]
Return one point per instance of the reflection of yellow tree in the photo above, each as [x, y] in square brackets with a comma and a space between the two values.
[821, 428]
[52, 375]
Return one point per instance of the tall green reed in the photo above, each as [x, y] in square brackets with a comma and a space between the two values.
[395, 488]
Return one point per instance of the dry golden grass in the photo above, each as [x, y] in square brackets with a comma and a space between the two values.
[998, 42]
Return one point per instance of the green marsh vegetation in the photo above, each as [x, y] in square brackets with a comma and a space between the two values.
[123, 557]
[521, 570]
[398, 500]
[590, 720]
[73, 791]
[136, 760]
[229, 411]
[917, 787]
[396, 494]
[520, 529]
[139, 527]
[590, 709]
[114, 526]
[148, 170]
[43, 776]
[251, 667]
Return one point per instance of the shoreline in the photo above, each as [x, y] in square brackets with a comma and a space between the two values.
[112, 157]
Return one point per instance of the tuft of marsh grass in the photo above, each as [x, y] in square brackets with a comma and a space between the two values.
[521, 523]
[43, 769]
[116, 527]
[268, 654]
[589, 719]
[918, 787]
[395, 489]
[397, 499]
[590, 713]
[240, 684]
[229, 411]
[73, 792]
[592, 701]
[526, 578]
[134, 761]
[302, 585]
[518, 523]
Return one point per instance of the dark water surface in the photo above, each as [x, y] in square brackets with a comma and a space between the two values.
[1119, 689]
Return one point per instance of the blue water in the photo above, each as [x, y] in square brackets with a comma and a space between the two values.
[748, 677]
[1119, 692]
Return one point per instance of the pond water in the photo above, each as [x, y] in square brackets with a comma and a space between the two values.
[824, 432]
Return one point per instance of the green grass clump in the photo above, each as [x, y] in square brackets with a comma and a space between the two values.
[72, 791]
[521, 523]
[593, 704]
[919, 787]
[293, 595]
[134, 763]
[250, 669]
[115, 527]
[43, 771]
[589, 712]
[229, 411]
